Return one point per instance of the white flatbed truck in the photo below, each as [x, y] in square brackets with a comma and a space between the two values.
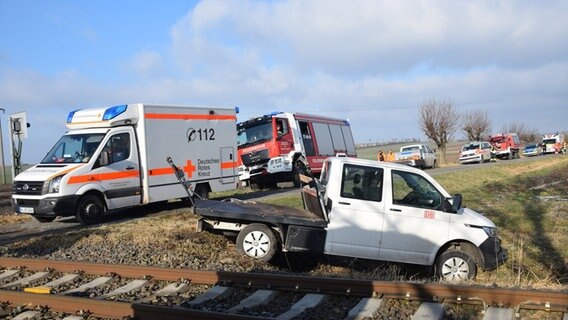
[366, 209]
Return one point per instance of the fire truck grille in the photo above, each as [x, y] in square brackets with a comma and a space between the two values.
[28, 187]
[256, 157]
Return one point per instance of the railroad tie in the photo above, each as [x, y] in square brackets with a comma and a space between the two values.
[131, 286]
[170, 290]
[493, 313]
[259, 297]
[310, 300]
[46, 288]
[429, 311]
[7, 274]
[24, 281]
[28, 315]
[366, 308]
[93, 284]
[212, 293]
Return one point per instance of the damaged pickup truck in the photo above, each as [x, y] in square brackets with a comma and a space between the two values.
[366, 209]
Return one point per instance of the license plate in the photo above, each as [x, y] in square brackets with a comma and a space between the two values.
[26, 210]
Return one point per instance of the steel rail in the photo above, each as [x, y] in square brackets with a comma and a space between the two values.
[58, 303]
[512, 297]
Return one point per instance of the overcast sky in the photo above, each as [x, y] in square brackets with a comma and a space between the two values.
[373, 62]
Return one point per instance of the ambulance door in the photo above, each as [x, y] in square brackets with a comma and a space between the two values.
[228, 165]
[119, 169]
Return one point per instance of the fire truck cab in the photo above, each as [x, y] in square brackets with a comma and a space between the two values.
[552, 143]
[279, 146]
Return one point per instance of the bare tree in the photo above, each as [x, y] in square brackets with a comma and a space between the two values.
[525, 133]
[439, 121]
[476, 125]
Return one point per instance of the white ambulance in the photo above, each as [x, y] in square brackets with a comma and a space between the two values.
[115, 157]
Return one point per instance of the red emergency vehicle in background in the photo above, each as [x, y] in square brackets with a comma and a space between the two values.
[552, 143]
[277, 147]
[505, 145]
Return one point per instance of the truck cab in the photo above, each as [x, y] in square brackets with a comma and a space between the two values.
[373, 210]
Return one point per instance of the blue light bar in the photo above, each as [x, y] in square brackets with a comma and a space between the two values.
[112, 112]
[273, 113]
[237, 110]
[70, 116]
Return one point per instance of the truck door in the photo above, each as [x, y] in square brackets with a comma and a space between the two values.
[119, 170]
[356, 218]
[415, 227]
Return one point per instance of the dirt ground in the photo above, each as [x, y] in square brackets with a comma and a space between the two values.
[5, 194]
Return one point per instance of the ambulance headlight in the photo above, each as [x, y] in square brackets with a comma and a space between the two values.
[54, 185]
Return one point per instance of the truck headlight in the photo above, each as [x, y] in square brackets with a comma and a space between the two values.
[491, 232]
[54, 185]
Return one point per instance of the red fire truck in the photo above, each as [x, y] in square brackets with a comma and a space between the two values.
[277, 147]
[505, 145]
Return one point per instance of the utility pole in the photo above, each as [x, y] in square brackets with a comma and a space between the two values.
[2, 148]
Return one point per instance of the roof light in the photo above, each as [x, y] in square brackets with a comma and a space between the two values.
[237, 110]
[112, 112]
[70, 116]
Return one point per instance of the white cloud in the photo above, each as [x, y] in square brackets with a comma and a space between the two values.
[146, 63]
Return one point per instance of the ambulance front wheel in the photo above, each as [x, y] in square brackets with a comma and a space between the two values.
[90, 209]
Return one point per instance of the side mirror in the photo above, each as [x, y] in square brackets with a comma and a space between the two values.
[104, 159]
[457, 202]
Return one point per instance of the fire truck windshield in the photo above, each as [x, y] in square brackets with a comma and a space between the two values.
[74, 148]
[254, 133]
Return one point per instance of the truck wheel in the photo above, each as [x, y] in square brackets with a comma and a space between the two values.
[89, 210]
[44, 219]
[299, 168]
[257, 241]
[455, 266]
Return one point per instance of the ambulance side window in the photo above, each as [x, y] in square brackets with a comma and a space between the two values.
[116, 149]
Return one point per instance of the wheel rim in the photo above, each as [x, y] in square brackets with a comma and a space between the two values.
[256, 244]
[91, 210]
[455, 269]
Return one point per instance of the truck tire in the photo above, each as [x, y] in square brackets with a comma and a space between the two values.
[299, 168]
[257, 241]
[90, 209]
[44, 219]
[455, 266]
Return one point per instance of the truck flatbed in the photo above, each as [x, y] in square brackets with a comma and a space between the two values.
[251, 212]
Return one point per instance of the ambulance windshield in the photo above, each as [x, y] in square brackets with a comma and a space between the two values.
[74, 148]
[252, 133]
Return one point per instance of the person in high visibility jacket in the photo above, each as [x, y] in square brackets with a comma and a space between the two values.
[390, 156]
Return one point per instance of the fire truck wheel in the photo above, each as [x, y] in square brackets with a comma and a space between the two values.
[44, 219]
[299, 168]
[89, 210]
[455, 266]
[257, 241]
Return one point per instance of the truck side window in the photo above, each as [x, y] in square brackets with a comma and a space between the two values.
[281, 127]
[362, 183]
[410, 189]
[118, 147]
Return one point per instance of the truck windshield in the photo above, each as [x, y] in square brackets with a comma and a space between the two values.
[549, 141]
[254, 133]
[74, 148]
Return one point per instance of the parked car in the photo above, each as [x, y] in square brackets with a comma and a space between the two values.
[475, 151]
[532, 150]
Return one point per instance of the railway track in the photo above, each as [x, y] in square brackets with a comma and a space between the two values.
[72, 290]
